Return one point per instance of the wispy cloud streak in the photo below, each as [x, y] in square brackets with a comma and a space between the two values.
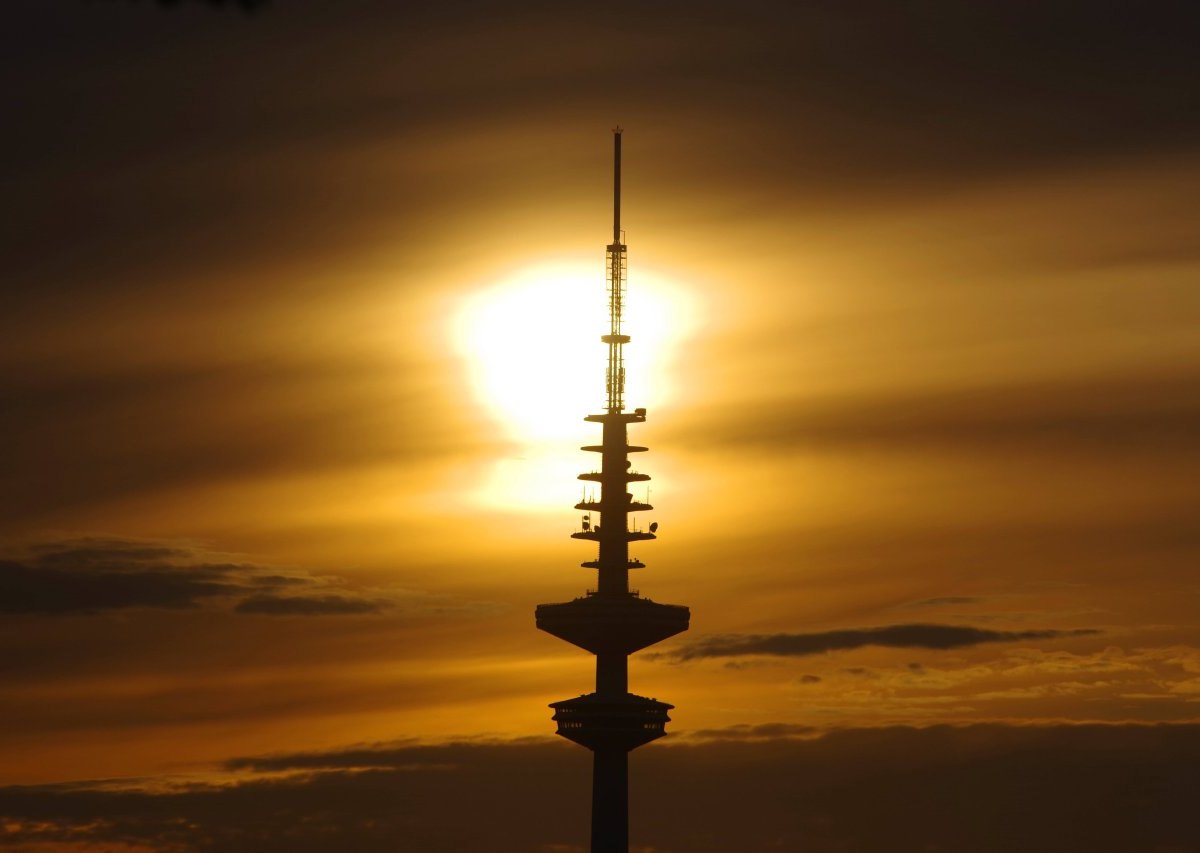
[913, 636]
[95, 575]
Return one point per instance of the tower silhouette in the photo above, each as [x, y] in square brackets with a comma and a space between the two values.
[612, 621]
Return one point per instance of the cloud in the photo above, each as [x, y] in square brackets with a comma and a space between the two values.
[1149, 413]
[944, 601]
[939, 93]
[232, 418]
[95, 575]
[244, 5]
[761, 731]
[860, 672]
[315, 605]
[363, 756]
[84, 576]
[1107, 789]
[914, 636]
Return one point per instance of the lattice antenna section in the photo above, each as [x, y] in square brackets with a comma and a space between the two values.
[616, 269]
[615, 265]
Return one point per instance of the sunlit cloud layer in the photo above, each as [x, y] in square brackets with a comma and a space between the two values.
[412, 796]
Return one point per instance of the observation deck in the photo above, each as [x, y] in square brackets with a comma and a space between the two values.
[637, 416]
[631, 563]
[598, 506]
[612, 624]
[628, 476]
[621, 722]
[627, 535]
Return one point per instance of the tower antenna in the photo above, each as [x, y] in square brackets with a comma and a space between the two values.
[616, 268]
[617, 184]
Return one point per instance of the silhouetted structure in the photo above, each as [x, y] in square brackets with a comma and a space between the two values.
[612, 621]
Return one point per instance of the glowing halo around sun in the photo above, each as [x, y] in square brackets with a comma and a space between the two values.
[531, 345]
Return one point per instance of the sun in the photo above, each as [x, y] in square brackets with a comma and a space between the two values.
[530, 343]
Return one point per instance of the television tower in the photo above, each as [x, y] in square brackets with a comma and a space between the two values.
[612, 621]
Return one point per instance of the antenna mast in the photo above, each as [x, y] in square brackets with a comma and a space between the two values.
[616, 267]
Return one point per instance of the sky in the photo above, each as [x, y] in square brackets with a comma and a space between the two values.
[301, 314]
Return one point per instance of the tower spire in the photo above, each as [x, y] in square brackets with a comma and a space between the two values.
[616, 268]
[612, 621]
[617, 184]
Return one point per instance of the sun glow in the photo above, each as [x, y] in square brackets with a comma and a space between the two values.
[531, 343]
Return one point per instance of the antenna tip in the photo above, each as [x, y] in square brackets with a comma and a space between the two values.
[617, 130]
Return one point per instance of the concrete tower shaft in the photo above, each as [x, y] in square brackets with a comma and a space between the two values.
[612, 621]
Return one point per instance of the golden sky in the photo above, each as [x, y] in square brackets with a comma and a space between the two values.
[300, 324]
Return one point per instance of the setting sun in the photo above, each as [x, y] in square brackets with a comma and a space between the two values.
[531, 342]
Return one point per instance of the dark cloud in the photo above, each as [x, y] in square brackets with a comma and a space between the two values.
[761, 731]
[944, 601]
[367, 755]
[96, 575]
[879, 95]
[916, 636]
[244, 5]
[71, 443]
[313, 605]
[93, 575]
[1154, 414]
[1108, 789]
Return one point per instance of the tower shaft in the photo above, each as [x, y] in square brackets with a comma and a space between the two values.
[610, 801]
[612, 621]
